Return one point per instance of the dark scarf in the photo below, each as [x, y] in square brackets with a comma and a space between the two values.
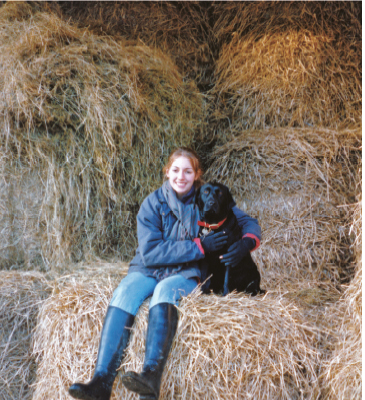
[187, 214]
[185, 228]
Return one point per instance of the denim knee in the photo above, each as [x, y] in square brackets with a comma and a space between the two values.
[132, 291]
[172, 289]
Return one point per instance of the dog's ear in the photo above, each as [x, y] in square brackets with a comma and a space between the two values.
[229, 199]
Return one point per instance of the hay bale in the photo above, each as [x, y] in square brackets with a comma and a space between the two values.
[70, 321]
[241, 18]
[342, 370]
[225, 348]
[293, 64]
[180, 28]
[298, 183]
[98, 118]
[21, 195]
[21, 296]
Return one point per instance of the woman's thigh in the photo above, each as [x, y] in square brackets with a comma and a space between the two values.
[171, 289]
[132, 291]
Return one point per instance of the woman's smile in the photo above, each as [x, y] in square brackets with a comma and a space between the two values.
[181, 176]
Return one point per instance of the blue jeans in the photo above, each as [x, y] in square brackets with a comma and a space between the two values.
[136, 287]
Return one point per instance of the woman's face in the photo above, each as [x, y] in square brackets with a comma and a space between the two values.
[181, 176]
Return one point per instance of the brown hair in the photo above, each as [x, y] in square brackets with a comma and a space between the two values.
[194, 159]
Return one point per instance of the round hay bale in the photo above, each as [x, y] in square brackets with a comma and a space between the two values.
[181, 28]
[21, 296]
[293, 64]
[99, 118]
[298, 183]
[240, 18]
[225, 348]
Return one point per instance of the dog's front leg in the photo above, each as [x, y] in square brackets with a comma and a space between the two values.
[226, 279]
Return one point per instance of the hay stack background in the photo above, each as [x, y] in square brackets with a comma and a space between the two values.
[298, 183]
[288, 64]
[181, 28]
[95, 118]
[20, 204]
[21, 296]
[342, 372]
[270, 95]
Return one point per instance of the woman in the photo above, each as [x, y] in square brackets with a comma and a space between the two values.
[166, 268]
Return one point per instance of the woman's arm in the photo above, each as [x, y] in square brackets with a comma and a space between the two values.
[154, 249]
[249, 226]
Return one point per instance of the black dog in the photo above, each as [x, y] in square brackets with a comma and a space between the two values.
[215, 204]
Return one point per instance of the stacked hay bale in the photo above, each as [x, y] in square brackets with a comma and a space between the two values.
[288, 133]
[21, 296]
[297, 182]
[266, 350]
[20, 202]
[69, 326]
[342, 371]
[181, 28]
[85, 123]
[287, 139]
[93, 119]
[289, 64]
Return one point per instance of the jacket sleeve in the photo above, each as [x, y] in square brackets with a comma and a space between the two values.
[249, 226]
[154, 249]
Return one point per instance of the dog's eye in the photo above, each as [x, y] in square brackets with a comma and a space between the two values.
[206, 191]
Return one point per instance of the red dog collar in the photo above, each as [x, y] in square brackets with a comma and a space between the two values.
[211, 226]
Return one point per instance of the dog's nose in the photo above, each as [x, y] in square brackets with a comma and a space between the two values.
[210, 202]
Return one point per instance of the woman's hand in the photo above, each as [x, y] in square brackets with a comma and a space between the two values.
[213, 241]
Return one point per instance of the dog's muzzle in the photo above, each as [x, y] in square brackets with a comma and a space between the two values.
[211, 206]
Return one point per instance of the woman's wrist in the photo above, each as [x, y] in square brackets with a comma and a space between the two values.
[199, 244]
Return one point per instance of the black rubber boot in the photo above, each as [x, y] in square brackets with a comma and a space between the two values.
[114, 339]
[162, 324]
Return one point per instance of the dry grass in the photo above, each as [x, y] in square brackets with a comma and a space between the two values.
[86, 123]
[342, 371]
[73, 314]
[97, 118]
[21, 296]
[180, 28]
[225, 348]
[294, 64]
[20, 201]
[299, 183]
[241, 18]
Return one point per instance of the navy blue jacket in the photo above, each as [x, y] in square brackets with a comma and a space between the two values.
[154, 222]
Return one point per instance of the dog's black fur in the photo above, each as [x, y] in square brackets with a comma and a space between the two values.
[215, 203]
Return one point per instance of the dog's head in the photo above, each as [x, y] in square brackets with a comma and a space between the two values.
[214, 201]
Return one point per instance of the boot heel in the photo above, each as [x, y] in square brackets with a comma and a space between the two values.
[136, 383]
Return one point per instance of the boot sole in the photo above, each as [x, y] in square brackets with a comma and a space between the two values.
[138, 385]
[80, 394]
